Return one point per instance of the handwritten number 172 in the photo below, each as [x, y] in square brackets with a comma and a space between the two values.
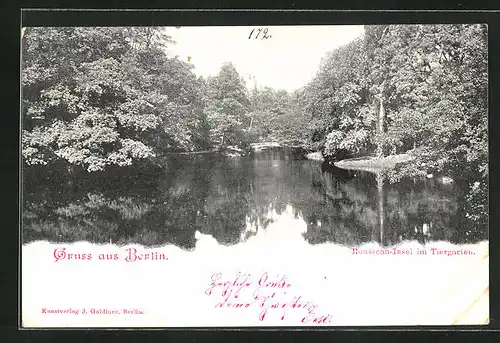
[259, 31]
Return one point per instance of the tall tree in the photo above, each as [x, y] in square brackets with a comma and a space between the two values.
[227, 107]
[337, 99]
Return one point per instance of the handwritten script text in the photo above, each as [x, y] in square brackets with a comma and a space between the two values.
[272, 295]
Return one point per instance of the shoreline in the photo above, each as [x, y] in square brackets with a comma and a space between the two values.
[315, 156]
[374, 163]
[254, 147]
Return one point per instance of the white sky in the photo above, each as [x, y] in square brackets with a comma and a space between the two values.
[288, 60]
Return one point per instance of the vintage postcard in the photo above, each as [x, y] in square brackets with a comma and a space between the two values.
[251, 176]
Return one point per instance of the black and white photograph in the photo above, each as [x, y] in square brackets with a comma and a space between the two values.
[254, 176]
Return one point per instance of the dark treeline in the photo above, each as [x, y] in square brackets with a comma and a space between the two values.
[100, 99]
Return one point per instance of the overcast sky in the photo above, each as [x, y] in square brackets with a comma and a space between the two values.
[287, 60]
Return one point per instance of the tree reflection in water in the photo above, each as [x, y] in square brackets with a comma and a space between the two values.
[234, 198]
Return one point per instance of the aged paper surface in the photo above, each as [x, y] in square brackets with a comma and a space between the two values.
[255, 176]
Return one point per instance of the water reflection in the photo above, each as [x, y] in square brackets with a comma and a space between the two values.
[233, 199]
[381, 201]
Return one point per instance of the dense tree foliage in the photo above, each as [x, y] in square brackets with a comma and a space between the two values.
[100, 97]
[227, 107]
[277, 115]
[430, 83]
[96, 98]
[415, 89]
[339, 102]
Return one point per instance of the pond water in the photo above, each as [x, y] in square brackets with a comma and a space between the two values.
[234, 198]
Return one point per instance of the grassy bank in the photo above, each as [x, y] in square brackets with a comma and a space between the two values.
[317, 156]
[373, 163]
